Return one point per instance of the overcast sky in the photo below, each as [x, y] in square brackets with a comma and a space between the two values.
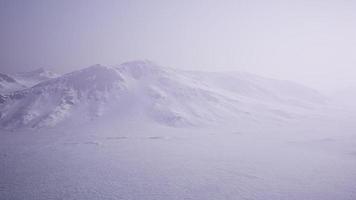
[311, 41]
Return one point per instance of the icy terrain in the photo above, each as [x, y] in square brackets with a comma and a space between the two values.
[142, 131]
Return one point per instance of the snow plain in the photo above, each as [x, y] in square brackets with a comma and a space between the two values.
[196, 136]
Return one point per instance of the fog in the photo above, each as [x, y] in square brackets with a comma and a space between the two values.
[312, 42]
[109, 118]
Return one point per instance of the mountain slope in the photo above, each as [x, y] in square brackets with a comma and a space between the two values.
[34, 77]
[143, 90]
[9, 84]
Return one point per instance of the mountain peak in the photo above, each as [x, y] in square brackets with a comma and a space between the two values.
[94, 68]
[94, 72]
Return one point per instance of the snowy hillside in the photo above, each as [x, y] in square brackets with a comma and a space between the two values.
[146, 91]
[34, 77]
[14, 82]
[9, 84]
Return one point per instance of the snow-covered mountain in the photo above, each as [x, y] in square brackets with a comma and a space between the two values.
[18, 81]
[9, 84]
[34, 77]
[146, 91]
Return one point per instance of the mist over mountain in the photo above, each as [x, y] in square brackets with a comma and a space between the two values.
[250, 100]
[146, 91]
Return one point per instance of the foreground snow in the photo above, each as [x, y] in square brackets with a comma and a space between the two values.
[312, 159]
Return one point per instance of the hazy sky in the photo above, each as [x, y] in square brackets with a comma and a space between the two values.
[312, 41]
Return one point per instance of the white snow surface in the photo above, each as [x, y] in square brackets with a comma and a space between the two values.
[142, 131]
[132, 160]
